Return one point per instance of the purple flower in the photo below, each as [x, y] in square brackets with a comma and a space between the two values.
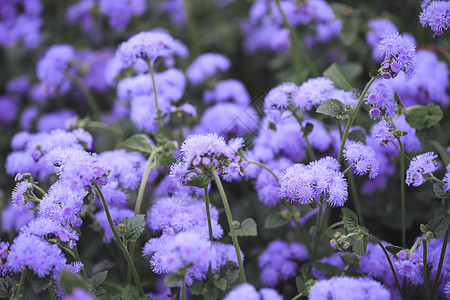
[399, 55]
[266, 185]
[280, 96]
[446, 179]
[437, 16]
[420, 165]
[382, 133]
[248, 292]
[313, 92]
[381, 100]
[120, 12]
[81, 13]
[54, 120]
[447, 289]
[362, 157]
[45, 227]
[52, 67]
[230, 89]
[79, 294]
[175, 10]
[19, 193]
[377, 28]
[149, 45]
[348, 288]
[13, 218]
[206, 65]
[8, 110]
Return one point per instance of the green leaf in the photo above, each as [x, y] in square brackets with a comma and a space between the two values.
[327, 269]
[130, 292]
[172, 279]
[350, 260]
[439, 191]
[165, 154]
[336, 74]
[350, 220]
[357, 136]
[39, 284]
[248, 228]
[230, 272]
[221, 284]
[98, 278]
[196, 288]
[274, 220]
[139, 143]
[69, 281]
[301, 286]
[360, 245]
[437, 226]
[307, 129]
[422, 117]
[6, 285]
[133, 227]
[442, 152]
[333, 108]
[398, 100]
[200, 181]
[374, 74]
[163, 135]
[394, 249]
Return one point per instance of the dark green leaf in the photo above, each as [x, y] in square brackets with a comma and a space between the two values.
[398, 100]
[353, 273]
[357, 136]
[442, 152]
[360, 245]
[350, 260]
[439, 192]
[173, 279]
[133, 227]
[307, 129]
[130, 292]
[394, 249]
[301, 286]
[211, 294]
[248, 228]
[338, 77]
[201, 181]
[69, 281]
[421, 117]
[230, 272]
[350, 220]
[437, 226]
[139, 143]
[196, 288]
[98, 278]
[39, 284]
[165, 154]
[221, 284]
[274, 220]
[374, 74]
[163, 135]
[333, 108]
[6, 285]
[327, 269]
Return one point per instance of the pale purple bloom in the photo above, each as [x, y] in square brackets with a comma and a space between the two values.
[399, 55]
[229, 89]
[377, 28]
[207, 65]
[19, 193]
[362, 157]
[437, 16]
[420, 165]
[79, 294]
[121, 11]
[53, 66]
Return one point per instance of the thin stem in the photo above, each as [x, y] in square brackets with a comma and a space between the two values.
[230, 224]
[297, 297]
[143, 184]
[402, 192]
[35, 186]
[318, 234]
[390, 264]
[192, 30]
[425, 271]
[150, 68]
[210, 231]
[265, 167]
[51, 293]
[183, 290]
[416, 244]
[77, 257]
[441, 262]
[352, 118]
[348, 168]
[340, 223]
[21, 284]
[310, 150]
[96, 113]
[355, 197]
[300, 228]
[117, 237]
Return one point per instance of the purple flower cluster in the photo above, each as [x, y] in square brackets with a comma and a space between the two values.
[420, 165]
[380, 98]
[308, 183]
[280, 261]
[377, 28]
[362, 158]
[206, 65]
[229, 89]
[436, 15]
[399, 55]
[120, 12]
[382, 133]
[81, 13]
[248, 291]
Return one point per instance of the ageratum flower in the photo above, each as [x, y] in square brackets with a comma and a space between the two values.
[420, 165]
[248, 292]
[121, 11]
[362, 157]
[399, 55]
[380, 98]
[381, 132]
[377, 28]
[150, 45]
[348, 288]
[18, 194]
[437, 16]
[229, 89]
[446, 179]
[207, 65]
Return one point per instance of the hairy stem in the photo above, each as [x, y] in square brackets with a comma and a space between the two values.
[20, 292]
[441, 262]
[402, 192]
[152, 73]
[264, 167]
[77, 257]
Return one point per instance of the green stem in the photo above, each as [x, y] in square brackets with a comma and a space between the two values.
[51, 293]
[121, 245]
[352, 118]
[310, 150]
[349, 167]
[402, 192]
[96, 113]
[35, 186]
[390, 264]
[192, 30]
[340, 223]
[297, 297]
[263, 166]
[210, 231]
[318, 233]
[230, 224]
[143, 184]
[441, 262]
[20, 293]
[158, 111]
[416, 244]
[425, 271]
[77, 257]
[183, 290]
[305, 240]
[355, 197]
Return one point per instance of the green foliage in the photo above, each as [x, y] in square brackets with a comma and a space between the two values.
[350, 220]
[70, 281]
[130, 228]
[130, 292]
[436, 226]
[274, 220]
[334, 108]
[6, 285]
[201, 181]
[247, 227]
[357, 136]
[138, 143]
[423, 117]
[39, 284]
[307, 129]
[337, 75]
[394, 249]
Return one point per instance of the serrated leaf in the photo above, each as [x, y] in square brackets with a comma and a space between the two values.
[333, 108]
[69, 281]
[423, 117]
[130, 292]
[201, 181]
[172, 279]
[301, 286]
[357, 136]
[39, 284]
[248, 228]
[337, 75]
[6, 285]
[360, 245]
[328, 269]
[133, 227]
[307, 129]
[98, 278]
[221, 284]
[274, 220]
[394, 249]
[350, 220]
[138, 143]
[437, 226]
